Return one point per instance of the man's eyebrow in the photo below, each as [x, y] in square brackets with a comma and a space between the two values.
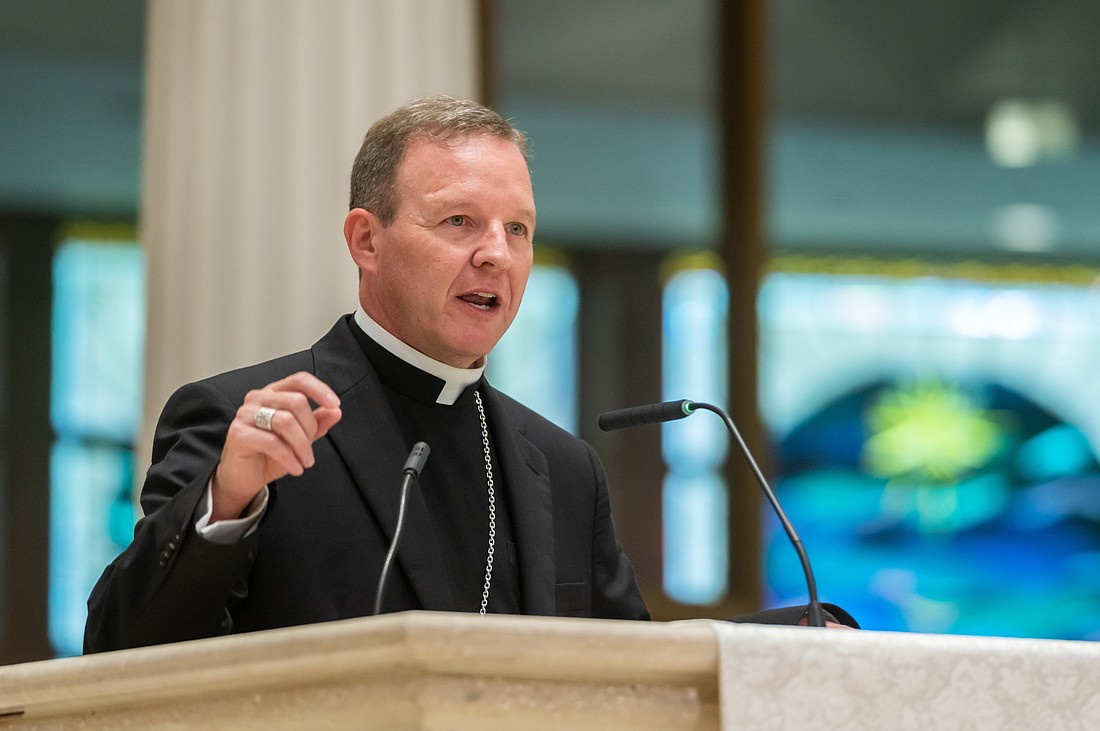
[460, 203]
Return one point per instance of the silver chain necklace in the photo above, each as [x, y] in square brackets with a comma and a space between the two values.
[492, 504]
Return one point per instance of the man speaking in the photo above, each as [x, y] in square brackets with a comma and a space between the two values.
[273, 492]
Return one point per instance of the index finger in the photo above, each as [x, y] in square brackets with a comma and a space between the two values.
[310, 385]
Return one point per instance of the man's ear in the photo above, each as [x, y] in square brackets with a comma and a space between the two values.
[361, 231]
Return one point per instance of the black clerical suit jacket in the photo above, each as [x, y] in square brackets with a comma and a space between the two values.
[318, 550]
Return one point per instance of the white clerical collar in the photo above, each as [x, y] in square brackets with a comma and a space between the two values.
[455, 380]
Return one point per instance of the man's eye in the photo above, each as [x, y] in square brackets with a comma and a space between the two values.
[456, 220]
[517, 229]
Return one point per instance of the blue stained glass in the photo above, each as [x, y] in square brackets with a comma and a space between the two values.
[90, 488]
[940, 465]
[1060, 450]
[695, 537]
[95, 407]
[98, 336]
[694, 362]
[695, 515]
[536, 360]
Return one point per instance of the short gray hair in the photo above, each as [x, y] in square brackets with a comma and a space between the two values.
[439, 118]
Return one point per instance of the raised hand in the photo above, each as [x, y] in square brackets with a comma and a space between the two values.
[271, 436]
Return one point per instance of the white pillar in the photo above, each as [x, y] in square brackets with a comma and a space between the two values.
[254, 112]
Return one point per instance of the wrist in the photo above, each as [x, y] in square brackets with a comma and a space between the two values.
[227, 505]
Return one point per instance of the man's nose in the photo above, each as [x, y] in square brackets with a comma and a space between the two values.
[493, 247]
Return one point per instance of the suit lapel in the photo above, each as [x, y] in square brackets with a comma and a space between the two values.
[369, 441]
[527, 482]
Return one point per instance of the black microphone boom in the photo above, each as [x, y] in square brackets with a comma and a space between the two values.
[650, 414]
[413, 466]
[672, 410]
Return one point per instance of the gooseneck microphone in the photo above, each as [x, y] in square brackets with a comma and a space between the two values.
[649, 414]
[672, 410]
[411, 471]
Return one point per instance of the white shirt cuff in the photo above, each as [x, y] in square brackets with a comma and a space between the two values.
[231, 531]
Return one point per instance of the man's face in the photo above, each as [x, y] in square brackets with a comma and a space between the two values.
[447, 276]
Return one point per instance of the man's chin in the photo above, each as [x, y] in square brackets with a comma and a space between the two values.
[466, 357]
[472, 352]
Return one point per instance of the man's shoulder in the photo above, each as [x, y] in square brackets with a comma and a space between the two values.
[235, 383]
[230, 387]
[260, 374]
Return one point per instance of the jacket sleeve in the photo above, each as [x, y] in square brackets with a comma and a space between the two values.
[615, 592]
[170, 584]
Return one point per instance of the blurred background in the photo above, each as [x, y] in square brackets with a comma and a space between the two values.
[870, 230]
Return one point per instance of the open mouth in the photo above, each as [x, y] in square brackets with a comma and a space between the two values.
[481, 300]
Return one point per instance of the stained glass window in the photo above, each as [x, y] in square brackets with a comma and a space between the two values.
[95, 408]
[695, 505]
[536, 360]
[936, 440]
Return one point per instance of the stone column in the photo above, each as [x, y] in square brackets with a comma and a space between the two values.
[254, 112]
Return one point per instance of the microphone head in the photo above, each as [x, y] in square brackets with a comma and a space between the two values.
[648, 414]
[417, 457]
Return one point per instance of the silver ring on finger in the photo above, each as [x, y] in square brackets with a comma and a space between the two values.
[263, 417]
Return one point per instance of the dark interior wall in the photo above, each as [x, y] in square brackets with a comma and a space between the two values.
[620, 352]
[71, 77]
[741, 109]
[26, 249]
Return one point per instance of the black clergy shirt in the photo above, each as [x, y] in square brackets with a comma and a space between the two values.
[454, 482]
